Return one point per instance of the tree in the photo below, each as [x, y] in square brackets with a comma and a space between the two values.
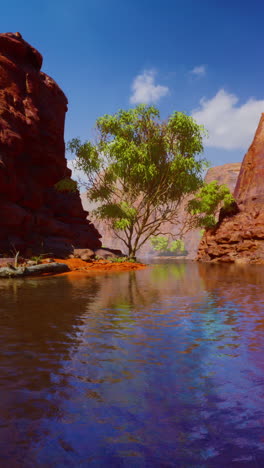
[163, 245]
[160, 243]
[177, 246]
[206, 204]
[140, 169]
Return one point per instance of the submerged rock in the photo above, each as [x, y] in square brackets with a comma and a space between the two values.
[33, 214]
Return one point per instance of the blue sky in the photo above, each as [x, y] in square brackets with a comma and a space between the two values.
[202, 57]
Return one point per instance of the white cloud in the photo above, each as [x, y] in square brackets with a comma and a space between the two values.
[145, 91]
[230, 126]
[77, 175]
[199, 71]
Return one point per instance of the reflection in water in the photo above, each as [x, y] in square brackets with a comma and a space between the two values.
[159, 367]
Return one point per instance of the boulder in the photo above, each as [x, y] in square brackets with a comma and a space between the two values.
[108, 253]
[84, 254]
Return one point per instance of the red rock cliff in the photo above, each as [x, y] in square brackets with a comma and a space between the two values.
[33, 215]
[240, 237]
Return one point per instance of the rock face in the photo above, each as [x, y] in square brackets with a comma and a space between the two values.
[225, 174]
[240, 237]
[34, 216]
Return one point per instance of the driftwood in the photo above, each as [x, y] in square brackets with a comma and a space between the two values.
[36, 270]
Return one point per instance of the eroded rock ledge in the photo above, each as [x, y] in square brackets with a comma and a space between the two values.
[240, 237]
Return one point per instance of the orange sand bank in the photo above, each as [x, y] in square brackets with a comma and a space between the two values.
[76, 264]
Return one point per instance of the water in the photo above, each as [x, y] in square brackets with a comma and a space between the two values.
[163, 367]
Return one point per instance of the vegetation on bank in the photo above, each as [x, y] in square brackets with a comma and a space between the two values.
[140, 169]
[122, 260]
[164, 246]
[205, 205]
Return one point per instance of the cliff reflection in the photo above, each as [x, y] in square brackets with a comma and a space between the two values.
[241, 288]
[39, 326]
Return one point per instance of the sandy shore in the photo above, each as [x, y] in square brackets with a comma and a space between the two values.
[78, 265]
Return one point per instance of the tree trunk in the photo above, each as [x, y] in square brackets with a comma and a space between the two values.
[132, 252]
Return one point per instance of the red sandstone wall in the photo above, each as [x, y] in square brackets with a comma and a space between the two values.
[240, 238]
[33, 215]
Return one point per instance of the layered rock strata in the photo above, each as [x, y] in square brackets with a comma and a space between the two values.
[239, 236]
[34, 216]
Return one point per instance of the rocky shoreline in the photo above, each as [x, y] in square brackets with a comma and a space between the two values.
[51, 267]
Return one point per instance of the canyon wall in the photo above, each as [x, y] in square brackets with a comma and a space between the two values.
[239, 236]
[34, 216]
[225, 174]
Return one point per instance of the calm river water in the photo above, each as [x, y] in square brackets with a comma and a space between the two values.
[163, 367]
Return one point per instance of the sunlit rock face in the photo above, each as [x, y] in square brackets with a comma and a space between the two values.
[34, 216]
[240, 237]
[225, 174]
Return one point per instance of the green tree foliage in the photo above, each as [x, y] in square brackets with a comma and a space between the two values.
[163, 245]
[66, 185]
[177, 246]
[160, 243]
[140, 169]
[205, 205]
